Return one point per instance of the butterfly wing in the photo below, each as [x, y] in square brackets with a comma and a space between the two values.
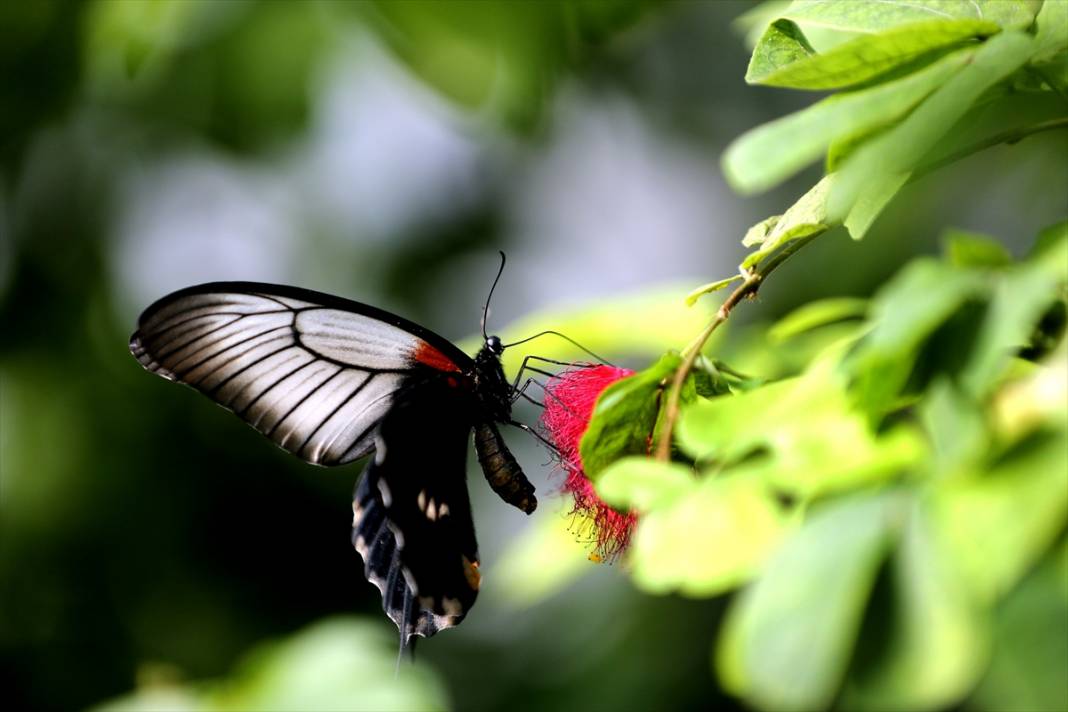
[411, 513]
[313, 372]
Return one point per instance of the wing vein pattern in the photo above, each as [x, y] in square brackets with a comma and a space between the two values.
[314, 373]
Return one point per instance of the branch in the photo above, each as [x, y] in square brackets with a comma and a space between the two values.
[753, 279]
[748, 288]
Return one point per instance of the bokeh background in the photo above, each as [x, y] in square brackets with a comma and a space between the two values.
[149, 541]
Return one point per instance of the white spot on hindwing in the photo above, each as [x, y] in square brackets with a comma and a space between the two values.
[443, 510]
[431, 510]
[380, 451]
[396, 534]
[357, 513]
[421, 500]
[451, 606]
[383, 489]
[410, 581]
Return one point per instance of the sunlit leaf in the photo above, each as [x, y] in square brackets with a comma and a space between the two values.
[904, 312]
[1051, 250]
[954, 423]
[341, 663]
[971, 249]
[708, 541]
[808, 216]
[875, 16]
[704, 289]
[1000, 522]
[768, 154]
[933, 638]
[861, 59]
[760, 232]
[1020, 296]
[752, 23]
[787, 640]
[1052, 35]
[643, 483]
[816, 314]
[781, 45]
[875, 172]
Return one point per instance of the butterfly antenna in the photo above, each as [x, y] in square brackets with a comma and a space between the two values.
[562, 336]
[485, 308]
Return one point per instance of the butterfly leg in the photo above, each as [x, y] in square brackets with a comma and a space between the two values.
[521, 393]
[531, 357]
[535, 433]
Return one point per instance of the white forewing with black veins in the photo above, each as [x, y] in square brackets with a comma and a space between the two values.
[331, 380]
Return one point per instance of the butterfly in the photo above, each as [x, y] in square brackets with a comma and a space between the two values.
[333, 380]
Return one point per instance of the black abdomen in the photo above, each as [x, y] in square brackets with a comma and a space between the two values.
[501, 469]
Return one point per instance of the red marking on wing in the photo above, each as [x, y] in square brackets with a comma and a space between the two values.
[430, 356]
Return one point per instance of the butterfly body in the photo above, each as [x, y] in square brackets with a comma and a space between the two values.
[331, 381]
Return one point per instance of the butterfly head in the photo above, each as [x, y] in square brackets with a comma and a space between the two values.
[494, 345]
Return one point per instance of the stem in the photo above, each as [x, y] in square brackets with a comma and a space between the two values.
[1008, 136]
[755, 278]
[748, 288]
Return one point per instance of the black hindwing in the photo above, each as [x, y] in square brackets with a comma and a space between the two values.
[412, 519]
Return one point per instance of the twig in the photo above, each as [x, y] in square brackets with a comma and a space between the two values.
[754, 278]
[747, 288]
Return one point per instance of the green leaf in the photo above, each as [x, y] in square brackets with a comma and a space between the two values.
[760, 232]
[808, 216]
[954, 423]
[338, 663]
[787, 640]
[904, 313]
[1020, 297]
[876, 171]
[708, 541]
[643, 484]
[856, 16]
[1000, 522]
[877, 194]
[1034, 402]
[704, 289]
[933, 640]
[813, 440]
[1026, 673]
[625, 416]
[1051, 250]
[816, 314]
[863, 58]
[971, 249]
[753, 22]
[781, 45]
[768, 154]
[1052, 35]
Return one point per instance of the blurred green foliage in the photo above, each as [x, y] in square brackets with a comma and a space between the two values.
[335, 664]
[901, 486]
[872, 516]
[881, 502]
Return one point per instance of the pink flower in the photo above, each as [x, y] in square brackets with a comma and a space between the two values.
[569, 401]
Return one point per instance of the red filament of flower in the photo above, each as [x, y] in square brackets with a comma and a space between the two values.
[569, 402]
